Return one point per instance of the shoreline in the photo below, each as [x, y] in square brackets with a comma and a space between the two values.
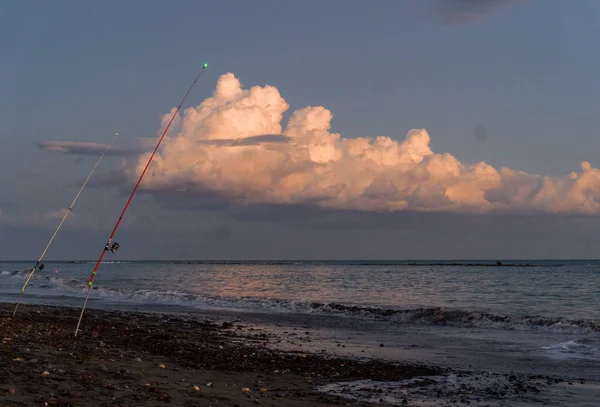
[126, 358]
[153, 358]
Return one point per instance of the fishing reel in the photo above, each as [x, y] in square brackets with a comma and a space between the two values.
[113, 248]
[40, 266]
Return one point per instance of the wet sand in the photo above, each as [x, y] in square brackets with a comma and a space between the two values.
[139, 359]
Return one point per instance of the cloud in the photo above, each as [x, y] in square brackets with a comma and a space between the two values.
[85, 148]
[249, 141]
[463, 11]
[118, 176]
[213, 155]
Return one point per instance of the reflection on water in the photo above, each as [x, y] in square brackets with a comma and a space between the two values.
[554, 289]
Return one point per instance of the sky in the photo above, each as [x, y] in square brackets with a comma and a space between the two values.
[439, 129]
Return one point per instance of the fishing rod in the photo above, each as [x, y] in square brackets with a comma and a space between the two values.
[41, 266]
[113, 248]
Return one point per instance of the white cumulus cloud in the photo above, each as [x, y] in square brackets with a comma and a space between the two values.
[304, 162]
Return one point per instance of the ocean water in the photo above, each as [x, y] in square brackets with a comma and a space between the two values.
[541, 318]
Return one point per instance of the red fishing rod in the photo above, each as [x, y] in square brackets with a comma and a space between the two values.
[113, 248]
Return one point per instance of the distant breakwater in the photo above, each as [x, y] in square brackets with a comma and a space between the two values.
[497, 264]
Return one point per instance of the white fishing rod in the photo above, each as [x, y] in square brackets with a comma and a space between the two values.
[41, 266]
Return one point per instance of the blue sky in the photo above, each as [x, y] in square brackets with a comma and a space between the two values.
[80, 70]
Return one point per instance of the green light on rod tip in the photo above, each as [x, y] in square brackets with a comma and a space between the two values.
[205, 66]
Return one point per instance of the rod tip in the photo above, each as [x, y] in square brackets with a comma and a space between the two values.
[204, 66]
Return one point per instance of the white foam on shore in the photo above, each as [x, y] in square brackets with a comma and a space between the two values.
[473, 389]
[581, 348]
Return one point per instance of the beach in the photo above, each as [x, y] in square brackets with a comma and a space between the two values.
[136, 359]
[302, 333]
[155, 359]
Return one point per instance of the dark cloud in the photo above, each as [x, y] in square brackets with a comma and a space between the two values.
[116, 177]
[248, 141]
[312, 217]
[418, 235]
[464, 11]
[197, 199]
[299, 215]
[303, 232]
[308, 216]
[188, 199]
[85, 148]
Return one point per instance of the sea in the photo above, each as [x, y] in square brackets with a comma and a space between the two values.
[520, 316]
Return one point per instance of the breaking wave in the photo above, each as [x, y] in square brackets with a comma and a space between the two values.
[581, 348]
[433, 316]
[13, 273]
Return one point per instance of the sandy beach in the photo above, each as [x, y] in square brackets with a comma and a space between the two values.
[138, 359]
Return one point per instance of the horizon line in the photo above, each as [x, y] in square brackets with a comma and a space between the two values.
[314, 260]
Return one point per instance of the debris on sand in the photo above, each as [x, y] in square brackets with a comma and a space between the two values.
[128, 365]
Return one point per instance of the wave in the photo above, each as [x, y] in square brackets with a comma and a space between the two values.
[456, 317]
[432, 316]
[582, 348]
[13, 273]
[94, 262]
